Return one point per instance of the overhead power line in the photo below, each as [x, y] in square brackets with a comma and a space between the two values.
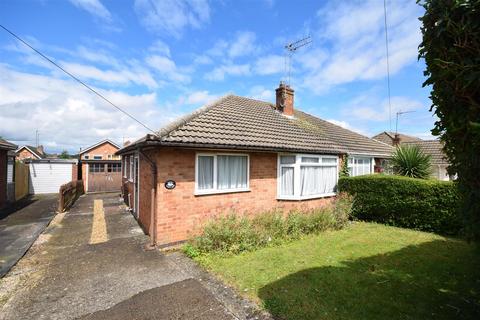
[388, 64]
[78, 80]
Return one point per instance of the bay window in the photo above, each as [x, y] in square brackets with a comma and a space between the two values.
[217, 173]
[358, 166]
[306, 176]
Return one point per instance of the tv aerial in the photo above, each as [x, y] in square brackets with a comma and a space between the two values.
[290, 49]
[399, 113]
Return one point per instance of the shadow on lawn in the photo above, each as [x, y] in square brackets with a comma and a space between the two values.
[438, 279]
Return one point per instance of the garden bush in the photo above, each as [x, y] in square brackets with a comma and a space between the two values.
[428, 205]
[234, 234]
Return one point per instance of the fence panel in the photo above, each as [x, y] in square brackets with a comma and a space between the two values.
[21, 180]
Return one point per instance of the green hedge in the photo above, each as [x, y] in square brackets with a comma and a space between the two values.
[427, 205]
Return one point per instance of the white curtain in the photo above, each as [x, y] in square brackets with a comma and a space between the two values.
[359, 166]
[205, 172]
[317, 180]
[231, 172]
[286, 183]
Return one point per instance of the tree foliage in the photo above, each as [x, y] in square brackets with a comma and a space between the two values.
[410, 161]
[64, 155]
[451, 49]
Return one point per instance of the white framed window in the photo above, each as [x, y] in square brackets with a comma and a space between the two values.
[97, 157]
[306, 176]
[130, 175]
[109, 157]
[360, 165]
[221, 173]
[86, 157]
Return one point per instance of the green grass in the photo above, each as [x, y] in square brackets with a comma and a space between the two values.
[365, 271]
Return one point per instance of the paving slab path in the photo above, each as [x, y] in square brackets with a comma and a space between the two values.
[90, 263]
[20, 226]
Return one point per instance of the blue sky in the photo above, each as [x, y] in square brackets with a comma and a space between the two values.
[159, 59]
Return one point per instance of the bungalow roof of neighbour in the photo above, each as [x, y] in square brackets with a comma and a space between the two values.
[388, 137]
[5, 145]
[234, 122]
[36, 151]
[434, 148]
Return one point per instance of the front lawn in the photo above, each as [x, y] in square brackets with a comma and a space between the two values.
[365, 271]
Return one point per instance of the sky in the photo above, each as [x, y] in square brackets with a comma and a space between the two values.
[160, 59]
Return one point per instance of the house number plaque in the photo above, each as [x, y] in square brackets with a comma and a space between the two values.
[170, 184]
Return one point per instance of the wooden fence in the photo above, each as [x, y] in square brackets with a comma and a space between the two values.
[22, 175]
[69, 193]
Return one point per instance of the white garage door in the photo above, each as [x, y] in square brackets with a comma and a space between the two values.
[48, 177]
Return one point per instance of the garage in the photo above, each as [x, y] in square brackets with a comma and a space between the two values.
[103, 175]
[47, 175]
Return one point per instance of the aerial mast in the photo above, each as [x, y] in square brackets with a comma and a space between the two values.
[290, 49]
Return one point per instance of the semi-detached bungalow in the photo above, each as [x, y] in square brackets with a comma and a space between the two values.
[238, 154]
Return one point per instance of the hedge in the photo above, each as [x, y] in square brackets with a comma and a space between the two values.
[428, 205]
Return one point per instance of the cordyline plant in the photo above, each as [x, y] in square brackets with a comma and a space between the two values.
[410, 161]
[451, 49]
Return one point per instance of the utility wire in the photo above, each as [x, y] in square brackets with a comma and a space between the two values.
[388, 65]
[78, 80]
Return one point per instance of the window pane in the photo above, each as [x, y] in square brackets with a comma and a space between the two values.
[205, 172]
[231, 172]
[287, 159]
[310, 160]
[97, 157]
[360, 166]
[317, 180]
[286, 181]
[329, 161]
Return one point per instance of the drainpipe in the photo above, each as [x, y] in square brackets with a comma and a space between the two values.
[153, 205]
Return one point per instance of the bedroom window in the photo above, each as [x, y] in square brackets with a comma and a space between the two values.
[221, 173]
[358, 166]
[306, 176]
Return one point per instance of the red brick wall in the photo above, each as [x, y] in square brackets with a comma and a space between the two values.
[103, 150]
[3, 177]
[180, 213]
[25, 154]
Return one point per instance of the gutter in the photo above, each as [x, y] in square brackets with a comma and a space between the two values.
[153, 203]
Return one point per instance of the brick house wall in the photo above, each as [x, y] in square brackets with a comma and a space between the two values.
[3, 177]
[103, 150]
[25, 154]
[181, 214]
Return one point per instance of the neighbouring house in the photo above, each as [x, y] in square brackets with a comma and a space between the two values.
[434, 148]
[30, 152]
[47, 175]
[238, 154]
[7, 164]
[101, 168]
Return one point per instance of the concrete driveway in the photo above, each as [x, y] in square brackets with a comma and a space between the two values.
[20, 226]
[90, 263]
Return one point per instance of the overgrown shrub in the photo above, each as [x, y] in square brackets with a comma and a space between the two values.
[234, 234]
[428, 205]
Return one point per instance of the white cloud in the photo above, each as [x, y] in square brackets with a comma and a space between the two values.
[122, 76]
[346, 125]
[161, 48]
[242, 45]
[172, 16]
[69, 116]
[351, 42]
[167, 68]
[371, 109]
[200, 98]
[95, 8]
[260, 93]
[271, 64]
[220, 72]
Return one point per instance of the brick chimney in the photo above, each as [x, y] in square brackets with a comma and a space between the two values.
[40, 149]
[396, 140]
[284, 102]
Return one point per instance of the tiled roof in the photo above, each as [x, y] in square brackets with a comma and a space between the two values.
[34, 150]
[5, 145]
[239, 122]
[433, 148]
[387, 137]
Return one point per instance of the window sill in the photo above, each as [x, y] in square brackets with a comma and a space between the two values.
[326, 195]
[208, 192]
